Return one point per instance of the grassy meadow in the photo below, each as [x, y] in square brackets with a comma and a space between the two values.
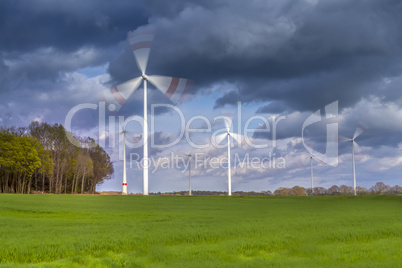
[209, 231]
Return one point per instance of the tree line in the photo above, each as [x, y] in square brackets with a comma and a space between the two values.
[379, 188]
[201, 192]
[41, 158]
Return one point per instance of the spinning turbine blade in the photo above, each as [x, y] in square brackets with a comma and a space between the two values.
[357, 148]
[125, 90]
[359, 130]
[140, 41]
[174, 88]
[119, 94]
[228, 124]
[344, 139]
[219, 138]
[361, 127]
[237, 137]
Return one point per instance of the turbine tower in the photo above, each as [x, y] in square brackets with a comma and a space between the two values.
[189, 174]
[124, 188]
[174, 88]
[312, 176]
[219, 138]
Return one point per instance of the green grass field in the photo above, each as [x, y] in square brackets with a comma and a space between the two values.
[180, 231]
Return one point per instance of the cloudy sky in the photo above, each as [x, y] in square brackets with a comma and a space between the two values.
[280, 59]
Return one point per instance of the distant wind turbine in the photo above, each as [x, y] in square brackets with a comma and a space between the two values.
[189, 174]
[219, 139]
[174, 88]
[359, 130]
[312, 176]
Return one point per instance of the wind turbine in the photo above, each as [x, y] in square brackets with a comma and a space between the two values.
[189, 174]
[174, 88]
[304, 163]
[124, 188]
[219, 139]
[359, 130]
[312, 175]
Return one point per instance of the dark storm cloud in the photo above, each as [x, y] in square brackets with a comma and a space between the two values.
[50, 63]
[297, 55]
[42, 39]
[298, 52]
[67, 25]
[275, 107]
[43, 42]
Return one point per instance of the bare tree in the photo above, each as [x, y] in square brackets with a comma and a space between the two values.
[297, 190]
[319, 191]
[380, 188]
[334, 190]
[361, 190]
[346, 190]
